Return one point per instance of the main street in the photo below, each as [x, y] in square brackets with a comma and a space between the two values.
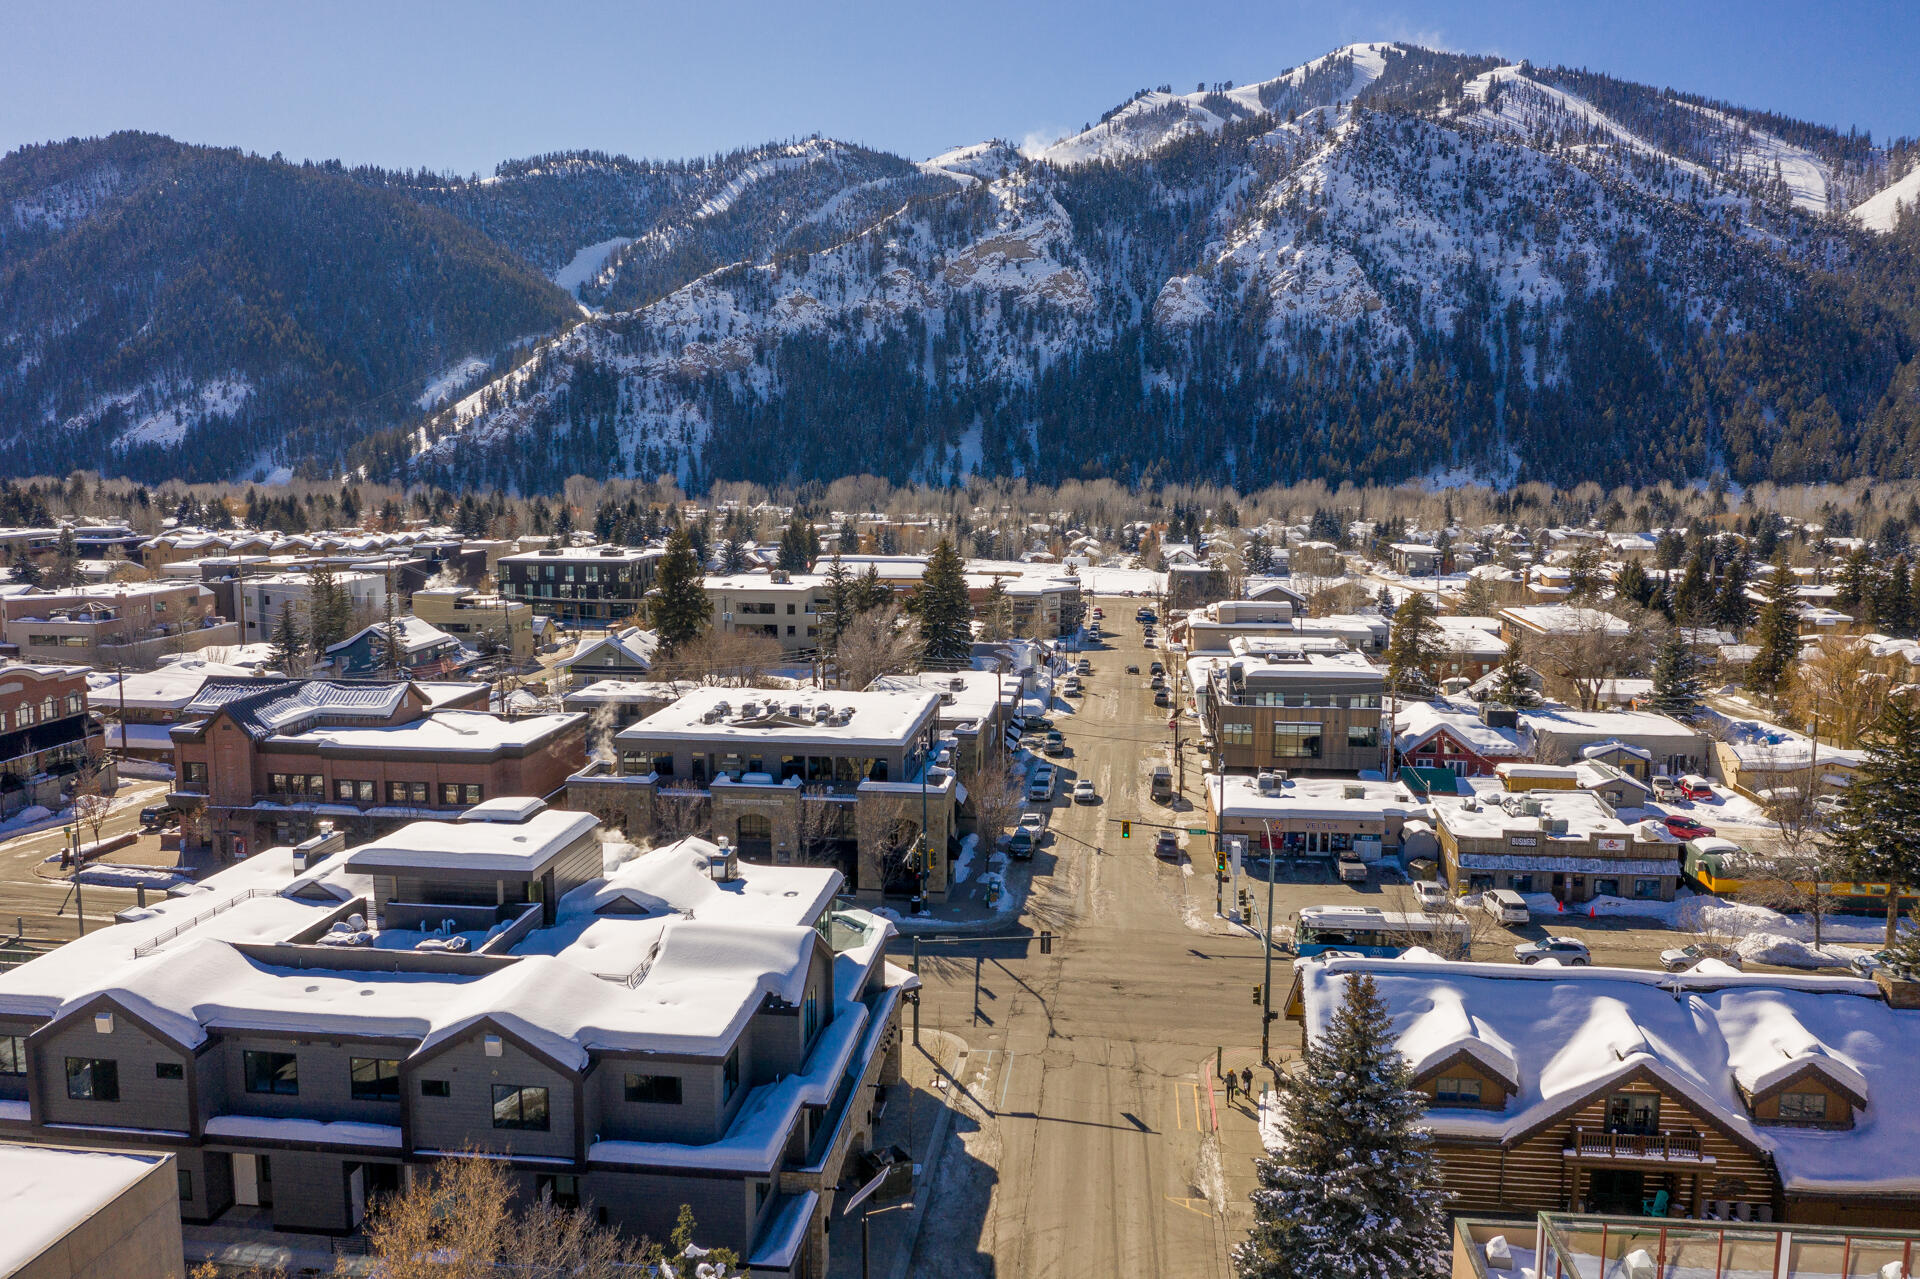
[1087, 1142]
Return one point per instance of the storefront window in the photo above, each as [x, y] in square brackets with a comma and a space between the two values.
[1646, 889]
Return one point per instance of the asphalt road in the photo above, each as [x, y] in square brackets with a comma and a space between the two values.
[1089, 1143]
[42, 908]
[1091, 1139]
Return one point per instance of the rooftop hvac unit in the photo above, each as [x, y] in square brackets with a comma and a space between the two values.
[1529, 808]
[1557, 826]
[1353, 792]
[797, 710]
[957, 683]
[721, 708]
[1264, 782]
[749, 709]
[822, 713]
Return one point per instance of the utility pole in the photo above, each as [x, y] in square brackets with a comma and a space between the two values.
[1266, 986]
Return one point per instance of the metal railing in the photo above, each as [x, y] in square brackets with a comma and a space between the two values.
[160, 939]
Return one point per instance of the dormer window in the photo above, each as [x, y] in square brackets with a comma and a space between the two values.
[1456, 1090]
[1803, 1108]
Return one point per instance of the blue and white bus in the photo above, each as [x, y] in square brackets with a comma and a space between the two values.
[1366, 931]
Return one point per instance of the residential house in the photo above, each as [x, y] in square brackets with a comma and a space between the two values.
[626, 1034]
[1466, 742]
[625, 654]
[426, 651]
[1639, 742]
[266, 596]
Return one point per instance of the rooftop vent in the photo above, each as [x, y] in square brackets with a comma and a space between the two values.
[797, 710]
[1353, 792]
[723, 864]
[822, 713]
[1529, 808]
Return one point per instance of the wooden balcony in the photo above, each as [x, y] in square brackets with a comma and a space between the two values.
[1594, 1143]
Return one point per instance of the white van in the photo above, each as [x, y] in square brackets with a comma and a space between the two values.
[1505, 905]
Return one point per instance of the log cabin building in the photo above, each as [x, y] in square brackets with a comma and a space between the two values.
[1710, 1094]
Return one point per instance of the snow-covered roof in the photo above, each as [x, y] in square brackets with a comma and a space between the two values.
[767, 722]
[629, 647]
[1417, 722]
[1310, 799]
[47, 1191]
[484, 846]
[452, 732]
[415, 634]
[1705, 1036]
[1553, 619]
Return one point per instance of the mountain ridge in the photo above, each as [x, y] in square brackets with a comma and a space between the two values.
[1372, 265]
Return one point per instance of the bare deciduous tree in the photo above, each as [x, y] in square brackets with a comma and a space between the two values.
[1592, 648]
[877, 642]
[995, 792]
[725, 659]
[1798, 875]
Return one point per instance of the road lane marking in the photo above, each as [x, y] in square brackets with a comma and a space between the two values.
[1006, 1075]
[1188, 1205]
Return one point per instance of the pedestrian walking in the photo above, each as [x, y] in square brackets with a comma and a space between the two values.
[1232, 1079]
[1246, 1081]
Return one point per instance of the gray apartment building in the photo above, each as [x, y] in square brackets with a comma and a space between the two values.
[1306, 705]
[580, 584]
[625, 1031]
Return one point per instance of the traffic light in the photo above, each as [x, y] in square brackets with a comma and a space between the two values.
[1256, 995]
[1046, 943]
[1220, 862]
[1126, 830]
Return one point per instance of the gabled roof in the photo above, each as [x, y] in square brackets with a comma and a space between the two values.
[266, 706]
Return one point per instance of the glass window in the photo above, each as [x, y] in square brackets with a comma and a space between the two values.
[169, 1070]
[655, 1090]
[449, 792]
[472, 792]
[1606, 888]
[363, 791]
[1803, 1107]
[1456, 1089]
[376, 1078]
[1236, 735]
[1364, 702]
[1633, 1112]
[196, 772]
[418, 792]
[93, 1079]
[396, 792]
[316, 785]
[730, 1076]
[73, 703]
[13, 1055]
[276, 783]
[518, 1107]
[1520, 883]
[343, 789]
[1646, 889]
[1296, 741]
[560, 1189]
[186, 1184]
[1359, 738]
[268, 1072]
[435, 1088]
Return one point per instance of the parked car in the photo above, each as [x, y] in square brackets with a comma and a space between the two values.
[1133, 669]
[1158, 681]
[1351, 869]
[1686, 827]
[1505, 905]
[1696, 787]
[1033, 822]
[1565, 949]
[1099, 612]
[1040, 786]
[1085, 667]
[1679, 959]
[1160, 784]
[1167, 846]
[1144, 615]
[1430, 893]
[1160, 698]
[1056, 744]
[1020, 845]
[1072, 687]
[159, 818]
[1157, 669]
[1083, 792]
[1666, 790]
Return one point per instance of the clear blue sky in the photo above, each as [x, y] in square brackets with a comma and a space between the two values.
[459, 87]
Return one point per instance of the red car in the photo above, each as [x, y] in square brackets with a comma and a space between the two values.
[1686, 827]
[1695, 788]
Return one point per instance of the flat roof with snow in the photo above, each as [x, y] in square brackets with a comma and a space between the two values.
[487, 845]
[46, 1192]
[776, 720]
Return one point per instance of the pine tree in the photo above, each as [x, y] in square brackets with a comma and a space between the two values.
[1731, 607]
[942, 609]
[1693, 598]
[26, 571]
[1355, 1190]
[797, 546]
[1677, 684]
[730, 558]
[1777, 634]
[839, 604]
[869, 592]
[682, 608]
[1877, 830]
[329, 609]
[1413, 646]
[1513, 681]
[387, 646]
[288, 649]
[996, 613]
[849, 543]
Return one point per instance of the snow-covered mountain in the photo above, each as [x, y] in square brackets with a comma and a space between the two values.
[1384, 263]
